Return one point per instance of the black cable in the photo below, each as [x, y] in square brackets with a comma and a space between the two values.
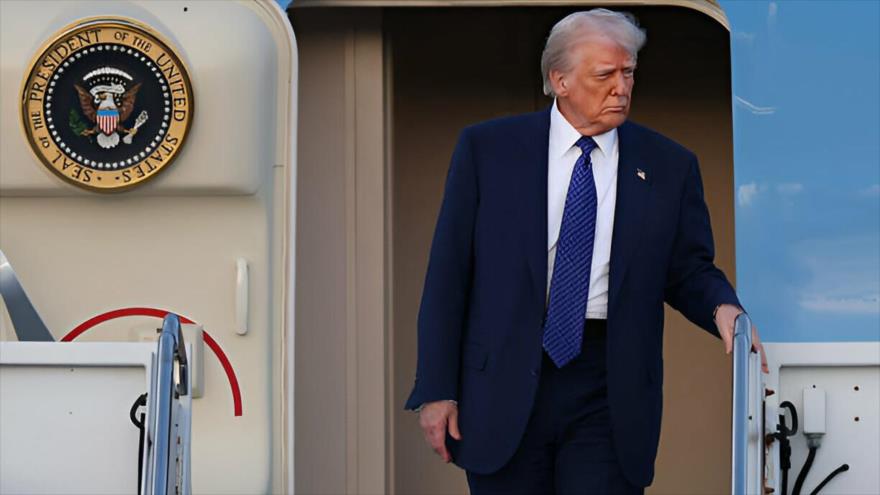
[782, 434]
[799, 482]
[784, 482]
[834, 473]
[139, 423]
[794, 419]
[141, 453]
[140, 401]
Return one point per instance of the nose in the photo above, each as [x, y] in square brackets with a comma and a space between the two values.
[619, 88]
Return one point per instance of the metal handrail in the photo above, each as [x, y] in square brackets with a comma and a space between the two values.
[170, 348]
[26, 321]
[742, 345]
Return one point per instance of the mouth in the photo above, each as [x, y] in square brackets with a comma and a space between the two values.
[615, 109]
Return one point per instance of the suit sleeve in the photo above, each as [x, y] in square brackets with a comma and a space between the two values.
[446, 291]
[694, 285]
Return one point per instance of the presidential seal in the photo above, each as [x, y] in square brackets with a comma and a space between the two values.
[107, 104]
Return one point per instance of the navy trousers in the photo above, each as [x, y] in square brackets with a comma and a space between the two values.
[567, 447]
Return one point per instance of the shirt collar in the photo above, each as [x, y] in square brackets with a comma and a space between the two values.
[563, 136]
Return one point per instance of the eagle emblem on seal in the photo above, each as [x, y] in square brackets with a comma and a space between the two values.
[107, 104]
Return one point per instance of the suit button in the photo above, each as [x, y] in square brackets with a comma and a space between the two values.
[534, 372]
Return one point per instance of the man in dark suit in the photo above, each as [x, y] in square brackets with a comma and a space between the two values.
[560, 236]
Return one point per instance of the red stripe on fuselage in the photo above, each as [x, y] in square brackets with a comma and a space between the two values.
[160, 313]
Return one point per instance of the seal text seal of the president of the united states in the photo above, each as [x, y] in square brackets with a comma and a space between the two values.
[107, 104]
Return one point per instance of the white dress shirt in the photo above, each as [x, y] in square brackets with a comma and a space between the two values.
[562, 155]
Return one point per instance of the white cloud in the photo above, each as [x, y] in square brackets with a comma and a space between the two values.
[744, 36]
[872, 191]
[843, 274]
[747, 193]
[790, 188]
[755, 109]
[860, 305]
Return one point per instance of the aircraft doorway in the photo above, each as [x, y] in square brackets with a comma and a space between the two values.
[421, 75]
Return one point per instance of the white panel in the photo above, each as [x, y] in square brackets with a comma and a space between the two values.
[76, 437]
[849, 374]
[846, 440]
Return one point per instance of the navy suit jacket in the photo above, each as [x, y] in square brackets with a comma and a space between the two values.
[483, 305]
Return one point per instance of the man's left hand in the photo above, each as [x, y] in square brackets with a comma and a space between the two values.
[725, 318]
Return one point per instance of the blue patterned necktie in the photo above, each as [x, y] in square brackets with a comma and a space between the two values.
[569, 286]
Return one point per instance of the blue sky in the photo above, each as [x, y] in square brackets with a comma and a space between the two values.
[806, 80]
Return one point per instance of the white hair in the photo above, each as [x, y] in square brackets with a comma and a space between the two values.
[621, 27]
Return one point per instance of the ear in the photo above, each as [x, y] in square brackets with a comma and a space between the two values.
[559, 82]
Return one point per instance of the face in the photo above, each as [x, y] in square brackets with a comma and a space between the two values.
[595, 95]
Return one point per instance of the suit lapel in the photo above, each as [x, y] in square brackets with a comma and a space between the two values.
[633, 188]
[535, 141]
